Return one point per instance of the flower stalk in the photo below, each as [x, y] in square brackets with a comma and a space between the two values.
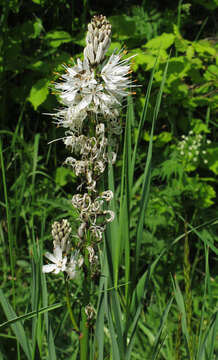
[75, 326]
[91, 93]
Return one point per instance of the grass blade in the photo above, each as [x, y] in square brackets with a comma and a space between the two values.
[17, 327]
[147, 176]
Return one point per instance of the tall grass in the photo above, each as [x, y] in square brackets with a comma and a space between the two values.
[122, 297]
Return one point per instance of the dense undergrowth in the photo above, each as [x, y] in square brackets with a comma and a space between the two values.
[173, 250]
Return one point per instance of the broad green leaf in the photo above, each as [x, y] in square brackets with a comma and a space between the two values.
[64, 175]
[180, 43]
[39, 93]
[190, 52]
[178, 68]
[163, 138]
[163, 41]
[31, 29]
[41, 66]
[211, 73]
[56, 38]
[204, 47]
[199, 126]
[213, 158]
[143, 59]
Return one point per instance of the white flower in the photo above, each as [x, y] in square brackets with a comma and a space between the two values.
[75, 262]
[116, 77]
[85, 90]
[59, 263]
[70, 117]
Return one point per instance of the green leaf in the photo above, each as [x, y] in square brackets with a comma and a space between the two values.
[204, 47]
[41, 66]
[63, 176]
[56, 38]
[39, 93]
[199, 126]
[190, 52]
[163, 41]
[180, 43]
[178, 68]
[163, 138]
[211, 73]
[16, 327]
[31, 29]
[143, 59]
[213, 158]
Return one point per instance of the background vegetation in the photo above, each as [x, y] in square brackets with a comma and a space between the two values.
[37, 37]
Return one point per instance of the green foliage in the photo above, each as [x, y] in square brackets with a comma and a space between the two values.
[141, 311]
[38, 93]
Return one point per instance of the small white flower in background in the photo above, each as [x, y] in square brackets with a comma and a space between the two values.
[192, 146]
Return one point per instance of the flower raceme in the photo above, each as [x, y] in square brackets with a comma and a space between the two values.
[91, 92]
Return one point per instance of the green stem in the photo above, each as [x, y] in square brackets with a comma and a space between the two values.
[84, 336]
[75, 326]
[188, 297]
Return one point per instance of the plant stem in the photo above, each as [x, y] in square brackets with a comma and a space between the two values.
[188, 298]
[84, 336]
[75, 326]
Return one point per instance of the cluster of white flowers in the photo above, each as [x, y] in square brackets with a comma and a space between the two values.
[63, 259]
[91, 93]
[192, 147]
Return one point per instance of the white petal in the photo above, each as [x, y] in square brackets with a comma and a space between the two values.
[58, 253]
[51, 257]
[71, 273]
[84, 103]
[48, 268]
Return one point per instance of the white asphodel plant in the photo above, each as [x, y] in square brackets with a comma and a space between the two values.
[92, 93]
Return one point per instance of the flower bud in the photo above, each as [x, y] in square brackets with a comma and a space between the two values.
[97, 40]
